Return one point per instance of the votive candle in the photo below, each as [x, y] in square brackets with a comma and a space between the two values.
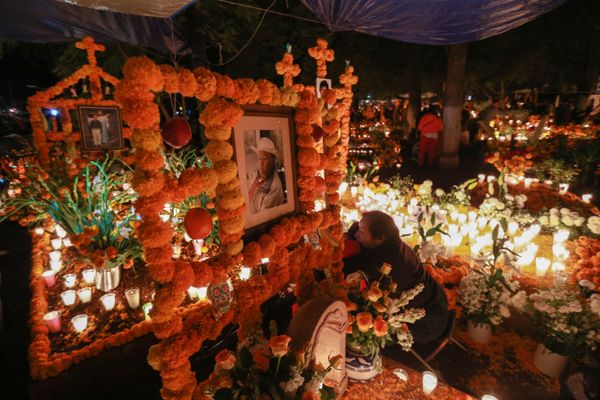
[85, 295]
[488, 397]
[56, 243]
[541, 266]
[108, 301]
[70, 280]
[67, 242]
[39, 231]
[79, 322]
[202, 292]
[55, 265]
[89, 275]
[429, 382]
[192, 292]
[586, 197]
[245, 273]
[55, 255]
[512, 227]
[49, 278]
[527, 182]
[52, 320]
[60, 232]
[68, 297]
[481, 178]
[133, 297]
[562, 188]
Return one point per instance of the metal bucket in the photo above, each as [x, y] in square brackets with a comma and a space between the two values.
[108, 279]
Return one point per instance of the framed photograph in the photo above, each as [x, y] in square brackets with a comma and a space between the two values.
[264, 146]
[322, 84]
[100, 128]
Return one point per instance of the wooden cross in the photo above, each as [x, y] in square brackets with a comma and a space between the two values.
[287, 68]
[322, 56]
[88, 44]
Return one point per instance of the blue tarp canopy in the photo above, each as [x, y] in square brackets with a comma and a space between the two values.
[45, 21]
[438, 22]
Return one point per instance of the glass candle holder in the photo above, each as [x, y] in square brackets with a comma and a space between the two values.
[79, 322]
[108, 301]
[89, 275]
[68, 297]
[55, 255]
[60, 232]
[133, 297]
[429, 382]
[52, 320]
[56, 243]
[202, 292]
[55, 265]
[49, 278]
[245, 273]
[85, 295]
[70, 280]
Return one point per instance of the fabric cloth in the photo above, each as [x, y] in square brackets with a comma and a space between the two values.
[407, 272]
[430, 124]
[266, 193]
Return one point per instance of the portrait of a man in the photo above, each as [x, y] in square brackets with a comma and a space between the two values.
[264, 155]
[265, 189]
[100, 128]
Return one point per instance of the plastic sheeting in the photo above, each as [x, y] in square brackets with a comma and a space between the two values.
[45, 21]
[148, 8]
[438, 22]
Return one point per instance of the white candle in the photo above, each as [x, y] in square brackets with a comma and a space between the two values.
[548, 182]
[429, 382]
[192, 292]
[52, 320]
[176, 251]
[55, 255]
[60, 232]
[512, 227]
[49, 278]
[79, 322]
[70, 280]
[541, 266]
[488, 397]
[198, 246]
[481, 178]
[561, 235]
[562, 188]
[491, 178]
[56, 243]
[68, 297]
[353, 191]
[202, 292]
[586, 197]
[472, 216]
[264, 260]
[133, 297]
[89, 275]
[245, 273]
[558, 267]
[39, 231]
[85, 295]
[108, 301]
[527, 182]
[55, 265]
[461, 219]
[482, 222]
[67, 242]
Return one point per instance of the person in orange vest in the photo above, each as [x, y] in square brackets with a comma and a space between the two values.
[430, 127]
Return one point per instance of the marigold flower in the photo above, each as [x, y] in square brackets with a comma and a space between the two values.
[206, 84]
[225, 359]
[218, 150]
[221, 113]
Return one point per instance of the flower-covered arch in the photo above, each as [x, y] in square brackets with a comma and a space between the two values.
[289, 259]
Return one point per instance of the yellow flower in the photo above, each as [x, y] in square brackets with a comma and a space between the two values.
[379, 307]
[374, 293]
[364, 321]
[385, 269]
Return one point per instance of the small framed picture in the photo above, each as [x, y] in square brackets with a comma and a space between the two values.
[100, 128]
[322, 84]
[264, 146]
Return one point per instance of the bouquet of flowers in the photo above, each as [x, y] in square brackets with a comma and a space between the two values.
[567, 319]
[269, 370]
[378, 314]
[486, 293]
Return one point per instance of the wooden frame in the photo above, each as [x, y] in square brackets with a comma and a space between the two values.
[108, 135]
[258, 124]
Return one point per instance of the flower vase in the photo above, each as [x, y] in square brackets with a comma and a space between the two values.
[108, 279]
[549, 363]
[481, 333]
[362, 367]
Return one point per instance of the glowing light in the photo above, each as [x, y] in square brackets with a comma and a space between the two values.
[89, 275]
[133, 297]
[563, 188]
[586, 197]
[85, 295]
[56, 243]
[54, 255]
[70, 280]
[60, 232]
[39, 231]
[561, 235]
[68, 297]
[108, 301]
[49, 278]
[541, 266]
[79, 322]
[527, 183]
[245, 273]
[429, 382]
[512, 227]
[52, 320]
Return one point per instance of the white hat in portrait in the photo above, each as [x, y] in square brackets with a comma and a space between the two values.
[265, 144]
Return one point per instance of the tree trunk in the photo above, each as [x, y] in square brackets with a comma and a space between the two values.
[453, 105]
[414, 85]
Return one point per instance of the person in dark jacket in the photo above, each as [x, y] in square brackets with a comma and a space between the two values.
[380, 242]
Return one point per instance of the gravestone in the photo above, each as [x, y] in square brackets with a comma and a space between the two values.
[320, 326]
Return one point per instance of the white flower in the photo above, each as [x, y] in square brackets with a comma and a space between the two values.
[290, 387]
[427, 183]
[544, 220]
[554, 220]
[565, 211]
[554, 211]
[593, 224]
[519, 300]
[567, 220]
[595, 303]
[439, 192]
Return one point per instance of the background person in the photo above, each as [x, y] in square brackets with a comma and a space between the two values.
[429, 127]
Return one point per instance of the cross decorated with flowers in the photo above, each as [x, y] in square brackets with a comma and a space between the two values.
[88, 44]
[287, 68]
[322, 56]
